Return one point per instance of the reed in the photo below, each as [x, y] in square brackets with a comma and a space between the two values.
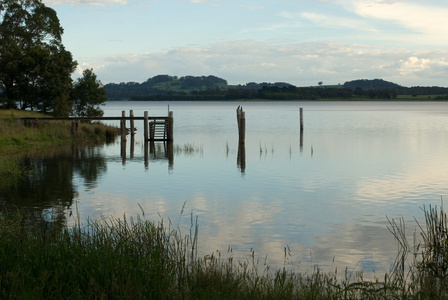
[188, 148]
[122, 258]
[422, 266]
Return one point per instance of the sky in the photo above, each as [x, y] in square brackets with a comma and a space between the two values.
[301, 42]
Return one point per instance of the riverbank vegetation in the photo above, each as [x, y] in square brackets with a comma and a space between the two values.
[131, 258]
[19, 139]
[36, 69]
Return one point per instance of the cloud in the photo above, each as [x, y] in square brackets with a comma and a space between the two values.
[85, 2]
[421, 18]
[301, 64]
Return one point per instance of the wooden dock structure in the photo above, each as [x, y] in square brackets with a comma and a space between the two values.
[155, 128]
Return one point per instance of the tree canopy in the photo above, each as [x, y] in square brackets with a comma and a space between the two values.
[88, 93]
[35, 68]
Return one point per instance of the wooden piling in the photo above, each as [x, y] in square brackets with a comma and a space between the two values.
[152, 130]
[170, 133]
[123, 125]
[301, 119]
[145, 126]
[241, 119]
[132, 128]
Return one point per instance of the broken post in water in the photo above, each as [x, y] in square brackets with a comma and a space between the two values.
[241, 119]
[301, 127]
[241, 156]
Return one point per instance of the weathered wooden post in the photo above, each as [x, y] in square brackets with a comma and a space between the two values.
[152, 130]
[123, 125]
[301, 119]
[145, 127]
[170, 133]
[241, 156]
[241, 118]
[131, 121]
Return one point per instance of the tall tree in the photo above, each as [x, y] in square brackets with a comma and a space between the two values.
[35, 68]
[88, 94]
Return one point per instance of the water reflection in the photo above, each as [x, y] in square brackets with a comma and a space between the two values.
[241, 156]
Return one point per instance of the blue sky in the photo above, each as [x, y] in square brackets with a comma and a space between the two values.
[300, 42]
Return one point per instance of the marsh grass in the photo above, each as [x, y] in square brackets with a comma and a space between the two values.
[133, 258]
[188, 148]
[421, 267]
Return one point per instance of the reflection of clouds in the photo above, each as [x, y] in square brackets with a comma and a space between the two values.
[418, 181]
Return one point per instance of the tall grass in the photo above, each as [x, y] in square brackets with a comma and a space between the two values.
[421, 267]
[133, 258]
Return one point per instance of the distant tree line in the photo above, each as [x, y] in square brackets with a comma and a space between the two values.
[35, 67]
[266, 92]
[165, 87]
[365, 87]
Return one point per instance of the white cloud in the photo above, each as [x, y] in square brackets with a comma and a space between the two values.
[299, 64]
[421, 18]
[85, 2]
[414, 64]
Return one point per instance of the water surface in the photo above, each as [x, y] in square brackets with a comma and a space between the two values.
[326, 200]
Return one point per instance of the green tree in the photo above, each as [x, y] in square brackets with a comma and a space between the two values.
[88, 93]
[35, 68]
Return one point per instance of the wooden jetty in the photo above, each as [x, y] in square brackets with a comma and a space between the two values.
[155, 128]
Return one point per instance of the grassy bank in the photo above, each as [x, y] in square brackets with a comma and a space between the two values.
[18, 139]
[138, 259]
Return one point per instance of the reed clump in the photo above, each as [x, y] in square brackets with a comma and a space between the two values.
[133, 258]
[421, 267]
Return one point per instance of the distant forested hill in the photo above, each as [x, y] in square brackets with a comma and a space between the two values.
[166, 87]
[164, 84]
[375, 84]
[367, 85]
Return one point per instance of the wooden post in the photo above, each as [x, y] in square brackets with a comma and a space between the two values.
[131, 115]
[152, 130]
[145, 126]
[123, 125]
[170, 134]
[301, 119]
[241, 118]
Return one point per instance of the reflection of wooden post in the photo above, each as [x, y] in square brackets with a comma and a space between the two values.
[301, 139]
[241, 157]
[123, 151]
[170, 154]
[132, 146]
[145, 126]
[131, 115]
[146, 146]
[170, 133]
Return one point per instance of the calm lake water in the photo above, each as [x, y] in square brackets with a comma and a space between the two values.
[326, 200]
